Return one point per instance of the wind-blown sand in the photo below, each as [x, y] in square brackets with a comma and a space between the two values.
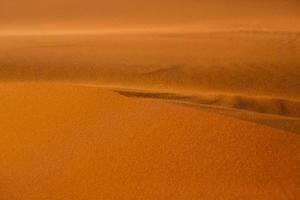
[60, 141]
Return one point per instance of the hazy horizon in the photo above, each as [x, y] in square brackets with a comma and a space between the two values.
[191, 15]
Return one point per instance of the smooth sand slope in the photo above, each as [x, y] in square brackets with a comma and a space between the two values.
[60, 141]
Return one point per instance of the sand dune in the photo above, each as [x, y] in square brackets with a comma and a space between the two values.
[149, 100]
[252, 63]
[282, 107]
[60, 141]
[224, 123]
[280, 113]
[256, 71]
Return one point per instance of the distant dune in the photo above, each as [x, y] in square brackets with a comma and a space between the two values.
[252, 63]
[256, 71]
[60, 141]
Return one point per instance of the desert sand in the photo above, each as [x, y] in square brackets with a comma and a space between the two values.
[249, 75]
[61, 141]
[150, 116]
[146, 100]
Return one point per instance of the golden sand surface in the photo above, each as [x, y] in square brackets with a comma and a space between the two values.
[147, 100]
[61, 141]
[160, 115]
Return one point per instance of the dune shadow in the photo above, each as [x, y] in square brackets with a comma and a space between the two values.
[274, 112]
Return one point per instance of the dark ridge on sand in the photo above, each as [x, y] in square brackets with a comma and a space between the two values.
[285, 109]
[266, 105]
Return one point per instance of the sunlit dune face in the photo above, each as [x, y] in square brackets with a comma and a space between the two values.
[73, 142]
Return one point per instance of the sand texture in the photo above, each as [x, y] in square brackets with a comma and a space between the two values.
[251, 75]
[206, 115]
[74, 142]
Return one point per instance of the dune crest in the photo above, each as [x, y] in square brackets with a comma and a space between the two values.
[266, 105]
[281, 109]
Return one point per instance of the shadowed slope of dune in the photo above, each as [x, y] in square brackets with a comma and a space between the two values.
[280, 113]
[268, 105]
[61, 141]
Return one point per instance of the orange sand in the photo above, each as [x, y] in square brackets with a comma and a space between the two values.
[149, 100]
[73, 142]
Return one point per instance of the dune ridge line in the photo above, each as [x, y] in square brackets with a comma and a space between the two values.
[265, 105]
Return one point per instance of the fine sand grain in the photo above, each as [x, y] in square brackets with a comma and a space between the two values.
[208, 115]
[60, 141]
